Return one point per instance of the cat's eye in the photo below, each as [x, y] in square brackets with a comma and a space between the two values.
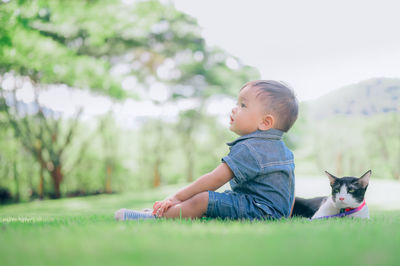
[336, 190]
[351, 190]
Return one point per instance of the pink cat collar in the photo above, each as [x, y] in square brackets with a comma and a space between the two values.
[347, 212]
[358, 208]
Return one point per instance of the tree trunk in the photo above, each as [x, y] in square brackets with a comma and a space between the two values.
[16, 181]
[108, 178]
[156, 177]
[41, 183]
[57, 177]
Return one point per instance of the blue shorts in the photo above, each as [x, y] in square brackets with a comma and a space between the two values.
[234, 206]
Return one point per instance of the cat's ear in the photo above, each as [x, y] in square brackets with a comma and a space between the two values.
[364, 179]
[332, 178]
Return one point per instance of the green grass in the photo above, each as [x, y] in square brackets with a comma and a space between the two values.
[82, 231]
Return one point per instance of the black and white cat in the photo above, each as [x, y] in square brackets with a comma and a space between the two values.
[347, 199]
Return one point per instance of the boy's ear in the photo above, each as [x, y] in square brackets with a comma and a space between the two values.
[267, 122]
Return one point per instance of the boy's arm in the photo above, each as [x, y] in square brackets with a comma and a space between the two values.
[210, 181]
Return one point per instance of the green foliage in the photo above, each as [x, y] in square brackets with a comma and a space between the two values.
[382, 136]
[351, 145]
[32, 48]
[351, 130]
[78, 42]
[17, 169]
[82, 44]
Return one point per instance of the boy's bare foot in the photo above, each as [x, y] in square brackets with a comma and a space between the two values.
[125, 214]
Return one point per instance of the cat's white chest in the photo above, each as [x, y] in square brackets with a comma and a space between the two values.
[327, 208]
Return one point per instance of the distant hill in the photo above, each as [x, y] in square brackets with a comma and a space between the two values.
[369, 97]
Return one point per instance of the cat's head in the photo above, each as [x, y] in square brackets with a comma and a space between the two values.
[348, 192]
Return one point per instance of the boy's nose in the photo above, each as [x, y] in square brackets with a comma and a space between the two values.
[234, 110]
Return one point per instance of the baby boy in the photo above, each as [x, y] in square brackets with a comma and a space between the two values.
[259, 166]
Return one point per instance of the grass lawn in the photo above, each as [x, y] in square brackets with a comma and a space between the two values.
[82, 231]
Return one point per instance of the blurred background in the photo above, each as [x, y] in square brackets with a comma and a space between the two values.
[120, 96]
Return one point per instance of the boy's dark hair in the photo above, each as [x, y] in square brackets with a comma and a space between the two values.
[279, 100]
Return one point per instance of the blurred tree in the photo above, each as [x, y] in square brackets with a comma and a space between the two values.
[84, 44]
[339, 145]
[8, 162]
[16, 165]
[188, 121]
[212, 72]
[188, 71]
[384, 144]
[42, 135]
[108, 134]
[36, 43]
[41, 39]
[156, 143]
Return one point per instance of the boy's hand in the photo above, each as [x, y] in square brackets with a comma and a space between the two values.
[160, 207]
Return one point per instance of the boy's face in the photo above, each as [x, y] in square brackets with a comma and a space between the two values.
[248, 115]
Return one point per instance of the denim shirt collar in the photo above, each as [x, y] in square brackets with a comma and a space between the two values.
[273, 134]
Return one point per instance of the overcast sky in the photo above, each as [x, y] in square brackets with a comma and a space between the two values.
[314, 45]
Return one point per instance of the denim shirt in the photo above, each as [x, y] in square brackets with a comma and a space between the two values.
[263, 168]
